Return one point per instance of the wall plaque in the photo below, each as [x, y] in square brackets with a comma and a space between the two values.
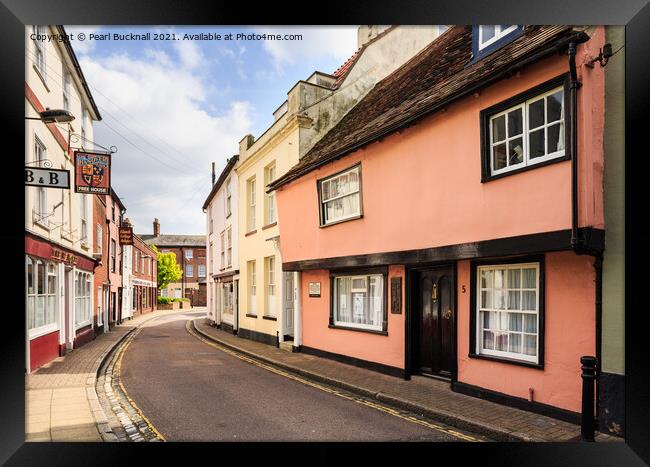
[126, 235]
[396, 295]
[314, 289]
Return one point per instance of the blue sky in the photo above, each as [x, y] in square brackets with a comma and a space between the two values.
[173, 107]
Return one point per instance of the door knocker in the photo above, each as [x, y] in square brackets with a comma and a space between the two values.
[447, 314]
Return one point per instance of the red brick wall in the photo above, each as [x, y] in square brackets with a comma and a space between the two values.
[101, 271]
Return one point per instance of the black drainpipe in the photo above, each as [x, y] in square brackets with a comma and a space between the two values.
[574, 84]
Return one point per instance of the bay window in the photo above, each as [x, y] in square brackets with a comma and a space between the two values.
[359, 301]
[41, 295]
[525, 131]
[508, 312]
[340, 196]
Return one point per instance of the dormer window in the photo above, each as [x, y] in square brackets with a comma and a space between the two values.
[489, 34]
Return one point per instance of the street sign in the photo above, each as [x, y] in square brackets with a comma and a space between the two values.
[49, 178]
[92, 173]
[126, 235]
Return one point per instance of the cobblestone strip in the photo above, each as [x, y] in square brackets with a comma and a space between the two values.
[124, 417]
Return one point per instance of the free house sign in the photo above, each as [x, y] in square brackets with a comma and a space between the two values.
[92, 173]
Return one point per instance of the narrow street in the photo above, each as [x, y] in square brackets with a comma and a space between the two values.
[190, 391]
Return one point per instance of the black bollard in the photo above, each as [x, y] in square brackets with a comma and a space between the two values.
[588, 424]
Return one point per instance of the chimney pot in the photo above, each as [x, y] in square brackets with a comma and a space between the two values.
[156, 228]
[213, 174]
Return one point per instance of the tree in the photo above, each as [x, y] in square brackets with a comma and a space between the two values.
[168, 269]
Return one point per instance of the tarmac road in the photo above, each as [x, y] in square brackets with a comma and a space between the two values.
[191, 391]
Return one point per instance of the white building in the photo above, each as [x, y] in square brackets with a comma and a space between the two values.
[58, 241]
[222, 248]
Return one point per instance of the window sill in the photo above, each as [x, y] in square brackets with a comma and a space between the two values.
[251, 315]
[43, 330]
[511, 361]
[341, 221]
[82, 324]
[525, 169]
[247, 234]
[349, 328]
[270, 318]
[38, 73]
[268, 226]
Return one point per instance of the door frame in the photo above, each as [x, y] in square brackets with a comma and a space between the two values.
[409, 323]
[288, 330]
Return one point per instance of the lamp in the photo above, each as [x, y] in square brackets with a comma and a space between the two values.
[53, 116]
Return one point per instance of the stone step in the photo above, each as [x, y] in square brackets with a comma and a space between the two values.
[287, 345]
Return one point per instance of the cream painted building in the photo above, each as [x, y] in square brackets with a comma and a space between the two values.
[267, 309]
[59, 249]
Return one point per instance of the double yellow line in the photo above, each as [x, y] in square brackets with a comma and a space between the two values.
[306, 382]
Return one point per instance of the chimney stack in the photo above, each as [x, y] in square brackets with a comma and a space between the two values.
[213, 174]
[156, 228]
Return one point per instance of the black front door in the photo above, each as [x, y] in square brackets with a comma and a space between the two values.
[433, 321]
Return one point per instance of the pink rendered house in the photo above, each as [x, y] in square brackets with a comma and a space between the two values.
[436, 228]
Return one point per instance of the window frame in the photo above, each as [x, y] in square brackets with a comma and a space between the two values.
[479, 52]
[189, 270]
[199, 271]
[270, 209]
[47, 327]
[251, 204]
[189, 254]
[228, 197]
[40, 67]
[522, 99]
[321, 203]
[474, 351]
[251, 273]
[497, 36]
[85, 299]
[337, 273]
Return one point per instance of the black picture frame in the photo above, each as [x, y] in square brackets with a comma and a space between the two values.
[635, 14]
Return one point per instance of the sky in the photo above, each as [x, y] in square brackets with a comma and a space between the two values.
[173, 107]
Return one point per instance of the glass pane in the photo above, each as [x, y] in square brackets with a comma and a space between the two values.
[514, 343]
[528, 301]
[30, 312]
[515, 321]
[555, 137]
[499, 300]
[488, 340]
[359, 307]
[514, 300]
[499, 278]
[51, 309]
[488, 319]
[528, 278]
[40, 287]
[376, 300]
[501, 342]
[499, 128]
[487, 278]
[503, 321]
[30, 276]
[40, 311]
[536, 144]
[343, 290]
[499, 156]
[486, 299]
[515, 151]
[487, 32]
[530, 345]
[513, 278]
[530, 322]
[51, 284]
[555, 107]
[536, 114]
[515, 122]
[354, 180]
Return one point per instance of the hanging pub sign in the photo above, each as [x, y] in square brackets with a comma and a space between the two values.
[126, 235]
[92, 173]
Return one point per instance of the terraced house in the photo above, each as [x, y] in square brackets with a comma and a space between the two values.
[267, 294]
[453, 223]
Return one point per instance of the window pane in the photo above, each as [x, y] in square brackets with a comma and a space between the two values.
[528, 300]
[530, 322]
[488, 340]
[489, 319]
[30, 312]
[555, 138]
[536, 144]
[530, 345]
[514, 300]
[487, 32]
[515, 151]
[500, 159]
[499, 129]
[487, 279]
[536, 114]
[514, 343]
[513, 278]
[499, 278]
[30, 276]
[501, 342]
[40, 286]
[555, 106]
[40, 311]
[528, 278]
[486, 299]
[503, 321]
[51, 284]
[515, 122]
[515, 321]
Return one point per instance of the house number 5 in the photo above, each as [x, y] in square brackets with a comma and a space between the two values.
[462, 288]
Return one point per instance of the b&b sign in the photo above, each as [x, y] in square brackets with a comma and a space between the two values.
[49, 178]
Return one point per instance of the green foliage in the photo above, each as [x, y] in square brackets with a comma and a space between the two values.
[168, 270]
[180, 299]
[164, 300]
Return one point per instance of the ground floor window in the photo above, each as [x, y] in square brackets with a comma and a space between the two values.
[82, 288]
[508, 311]
[227, 291]
[41, 293]
[100, 298]
[359, 301]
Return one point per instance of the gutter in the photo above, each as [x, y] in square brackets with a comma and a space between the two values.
[506, 73]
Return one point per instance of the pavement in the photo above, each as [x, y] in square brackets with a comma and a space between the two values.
[61, 401]
[430, 397]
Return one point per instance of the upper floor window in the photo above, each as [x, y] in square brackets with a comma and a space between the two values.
[40, 200]
[269, 175]
[490, 33]
[189, 270]
[229, 247]
[84, 219]
[189, 254]
[39, 50]
[113, 255]
[201, 270]
[250, 203]
[66, 91]
[228, 197]
[526, 130]
[340, 196]
[100, 239]
[223, 249]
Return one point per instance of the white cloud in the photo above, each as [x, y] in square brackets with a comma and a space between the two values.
[338, 42]
[85, 46]
[161, 108]
[189, 53]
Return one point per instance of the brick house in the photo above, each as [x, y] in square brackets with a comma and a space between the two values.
[143, 277]
[190, 251]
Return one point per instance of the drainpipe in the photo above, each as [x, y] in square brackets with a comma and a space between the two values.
[574, 84]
